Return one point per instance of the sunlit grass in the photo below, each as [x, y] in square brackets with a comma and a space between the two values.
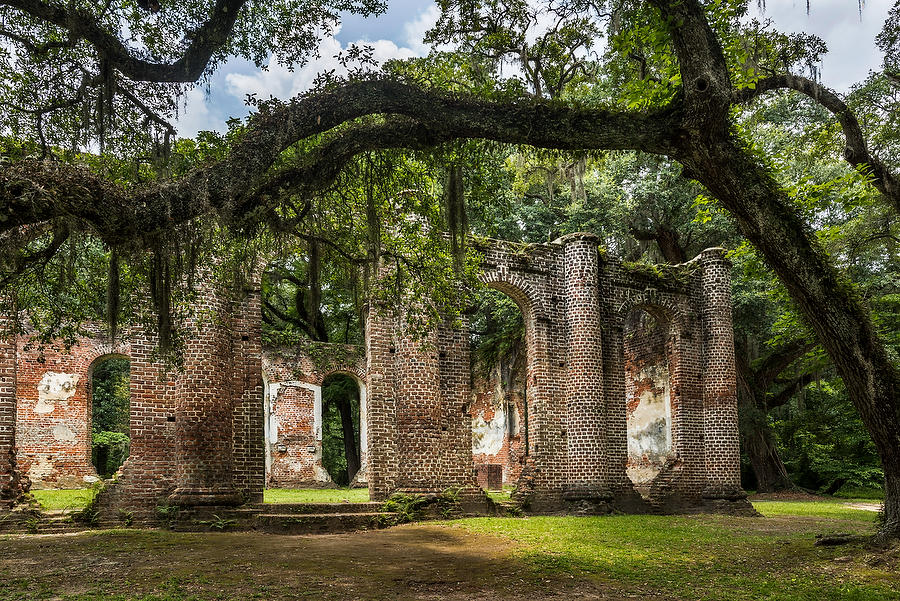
[75, 498]
[316, 495]
[821, 509]
[868, 494]
[706, 557]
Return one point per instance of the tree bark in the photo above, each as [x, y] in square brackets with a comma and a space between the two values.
[759, 443]
[765, 216]
[351, 452]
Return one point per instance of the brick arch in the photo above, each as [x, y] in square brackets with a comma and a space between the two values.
[662, 307]
[358, 373]
[521, 291]
[355, 371]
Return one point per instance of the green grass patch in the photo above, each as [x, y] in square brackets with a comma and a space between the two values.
[500, 496]
[818, 509]
[316, 495]
[705, 557]
[75, 498]
[868, 494]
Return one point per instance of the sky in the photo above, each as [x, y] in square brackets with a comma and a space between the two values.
[848, 32]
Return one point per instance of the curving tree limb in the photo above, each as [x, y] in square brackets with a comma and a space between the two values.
[80, 25]
[856, 151]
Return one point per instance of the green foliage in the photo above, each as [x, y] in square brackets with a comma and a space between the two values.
[823, 442]
[219, 523]
[110, 403]
[338, 389]
[410, 508]
[126, 517]
[167, 514]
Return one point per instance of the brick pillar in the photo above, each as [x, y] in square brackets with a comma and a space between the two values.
[720, 414]
[248, 440]
[381, 418]
[419, 413]
[11, 485]
[584, 369]
[203, 402]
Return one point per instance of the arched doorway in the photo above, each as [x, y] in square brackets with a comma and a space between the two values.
[500, 370]
[110, 402]
[343, 428]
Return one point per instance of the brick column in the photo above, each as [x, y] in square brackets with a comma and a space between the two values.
[419, 413]
[203, 402]
[11, 485]
[720, 414]
[584, 370]
[381, 417]
[248, 450]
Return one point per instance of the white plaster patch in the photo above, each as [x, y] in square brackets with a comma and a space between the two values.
[322, 474]
[90, 479]
[649, 427]
[40, 469]
[488, 436]
[54, 386]
[63, 433]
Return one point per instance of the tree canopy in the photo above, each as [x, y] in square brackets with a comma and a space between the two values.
[675, 79]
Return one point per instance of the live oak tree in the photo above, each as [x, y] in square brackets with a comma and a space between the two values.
[678, 71]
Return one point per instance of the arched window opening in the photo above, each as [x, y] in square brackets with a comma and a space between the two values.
[110, 414]
[499, 409]
[648, 407]
[341, 428]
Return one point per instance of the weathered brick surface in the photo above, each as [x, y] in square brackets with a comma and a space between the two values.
[499, 421]
[213, 431]
[12, 484]
[294, 377]
[53, 412]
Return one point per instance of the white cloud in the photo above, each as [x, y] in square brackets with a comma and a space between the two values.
[281, 83]
[848, 32]
[415, 30]
[195, 115]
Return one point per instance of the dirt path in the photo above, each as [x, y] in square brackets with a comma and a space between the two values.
[408, 562]
[864, 506]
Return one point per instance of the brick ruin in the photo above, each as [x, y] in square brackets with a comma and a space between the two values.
[623, 397]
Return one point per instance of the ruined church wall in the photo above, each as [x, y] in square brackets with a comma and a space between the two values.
[498, 415]
[293, 410]
[53, 411]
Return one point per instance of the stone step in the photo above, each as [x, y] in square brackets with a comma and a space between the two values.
[319, 508]
[322, 523]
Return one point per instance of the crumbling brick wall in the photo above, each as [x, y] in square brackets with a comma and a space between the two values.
[198, 433]
[293, 408]
[579, 378]
[53, 412]
[648, 397]
[498, 415]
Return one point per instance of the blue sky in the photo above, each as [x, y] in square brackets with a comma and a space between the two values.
[398, 32]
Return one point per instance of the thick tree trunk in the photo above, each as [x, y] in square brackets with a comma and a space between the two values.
[759, 443]
[823, 296]
[349, 433]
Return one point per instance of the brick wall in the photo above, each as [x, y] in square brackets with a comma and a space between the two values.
[293, 409]
[53, 421]
[498, 415]
[203, 433]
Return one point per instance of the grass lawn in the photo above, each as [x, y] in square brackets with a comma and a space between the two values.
[672, 558]
[316, 495]
[74, 498]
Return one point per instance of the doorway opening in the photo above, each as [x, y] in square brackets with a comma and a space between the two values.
[110, 382]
